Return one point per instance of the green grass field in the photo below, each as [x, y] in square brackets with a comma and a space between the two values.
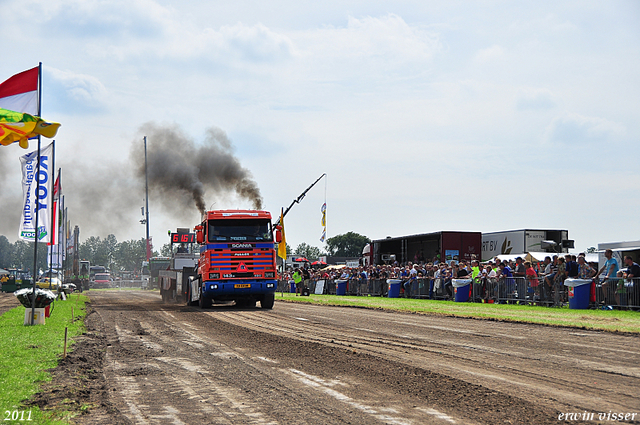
[27, 351]
[606, 320]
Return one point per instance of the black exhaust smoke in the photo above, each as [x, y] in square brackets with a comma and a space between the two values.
[179, 169]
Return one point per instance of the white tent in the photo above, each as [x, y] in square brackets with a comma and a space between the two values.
[3, 271]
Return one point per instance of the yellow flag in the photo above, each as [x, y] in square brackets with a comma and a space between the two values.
[282, 246]
[19, 127]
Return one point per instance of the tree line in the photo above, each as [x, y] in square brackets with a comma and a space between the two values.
[108, 252]
[129, 255]
[349, 244]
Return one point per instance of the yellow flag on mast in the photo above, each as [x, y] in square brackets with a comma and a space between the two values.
[282, 246]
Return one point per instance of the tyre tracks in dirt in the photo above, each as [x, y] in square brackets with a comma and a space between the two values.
[172, 364]
[541, 364]
[302, 364]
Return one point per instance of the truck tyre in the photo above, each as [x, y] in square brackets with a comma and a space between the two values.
[204, 302]
[267, 301]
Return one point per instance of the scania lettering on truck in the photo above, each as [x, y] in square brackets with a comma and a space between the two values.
[237, 259]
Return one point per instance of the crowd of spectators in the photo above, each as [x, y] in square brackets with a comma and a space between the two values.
[492, 281]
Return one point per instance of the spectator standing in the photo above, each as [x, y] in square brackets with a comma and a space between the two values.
[632, 275]
[571, 266]
[507, 283]
[307, 278]
[490, 282]
[549, 276]
[364, 280]
[520, 268]
[610, 269]
[585, 271]
[532, 278]
[297, 279]
[561, 275]
[633, 269]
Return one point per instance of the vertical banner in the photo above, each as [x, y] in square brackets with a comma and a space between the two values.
[55, 256]
[55, 218]
[36, 203]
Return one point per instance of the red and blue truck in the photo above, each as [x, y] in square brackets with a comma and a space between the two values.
[237, 259]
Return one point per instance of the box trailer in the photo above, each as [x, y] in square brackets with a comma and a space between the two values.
[426, 247]
[513, 242]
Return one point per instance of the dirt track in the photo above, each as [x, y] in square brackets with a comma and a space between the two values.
[7, 301]
[310, 364]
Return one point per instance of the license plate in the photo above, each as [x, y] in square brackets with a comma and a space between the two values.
[242, 285]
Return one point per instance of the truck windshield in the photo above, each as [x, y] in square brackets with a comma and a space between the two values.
[240, 230]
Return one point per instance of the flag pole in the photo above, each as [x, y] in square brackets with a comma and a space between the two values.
[35, 239]
[53, 213]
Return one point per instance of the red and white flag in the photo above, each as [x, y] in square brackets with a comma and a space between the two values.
[20, 92]
[56, 210]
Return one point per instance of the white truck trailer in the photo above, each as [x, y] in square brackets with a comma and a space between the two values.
[514, 242]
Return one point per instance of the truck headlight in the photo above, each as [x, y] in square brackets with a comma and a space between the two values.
[213, 287]
[269, 285]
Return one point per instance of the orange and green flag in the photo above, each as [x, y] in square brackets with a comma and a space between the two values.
[20, 127]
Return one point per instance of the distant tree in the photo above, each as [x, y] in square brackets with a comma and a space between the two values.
[129, 255]
[99, 252]
[166, 250]
[311, 253]
[348, 245]
[22, 257]
[591, 250]
[6, 252]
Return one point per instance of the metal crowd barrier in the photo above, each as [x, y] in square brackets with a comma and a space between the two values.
[617, 292]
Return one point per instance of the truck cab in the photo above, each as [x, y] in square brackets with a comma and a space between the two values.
[237, 259]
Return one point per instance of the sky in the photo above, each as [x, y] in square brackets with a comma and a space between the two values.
[424, 115]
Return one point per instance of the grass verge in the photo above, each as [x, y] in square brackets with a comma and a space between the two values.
[26, 352]
[605, 320]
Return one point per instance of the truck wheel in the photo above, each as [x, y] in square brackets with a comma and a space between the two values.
[267, 301]
[204, 302]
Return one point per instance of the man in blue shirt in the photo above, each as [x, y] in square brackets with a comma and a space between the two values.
[507, 283]
[610, 269]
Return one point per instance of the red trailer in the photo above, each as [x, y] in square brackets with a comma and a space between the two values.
[426, 247]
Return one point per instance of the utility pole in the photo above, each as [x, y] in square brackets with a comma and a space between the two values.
[146, 190]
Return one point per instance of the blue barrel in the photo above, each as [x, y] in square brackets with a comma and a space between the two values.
[341, 287]
[394, 288]
[292, 286]
[579, 293]
[461, 289]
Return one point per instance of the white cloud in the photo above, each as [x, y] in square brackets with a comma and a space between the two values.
[490, 54]
[575, 129]
[369, 47]
[239, 42]
[73, 93]
[534, 99]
